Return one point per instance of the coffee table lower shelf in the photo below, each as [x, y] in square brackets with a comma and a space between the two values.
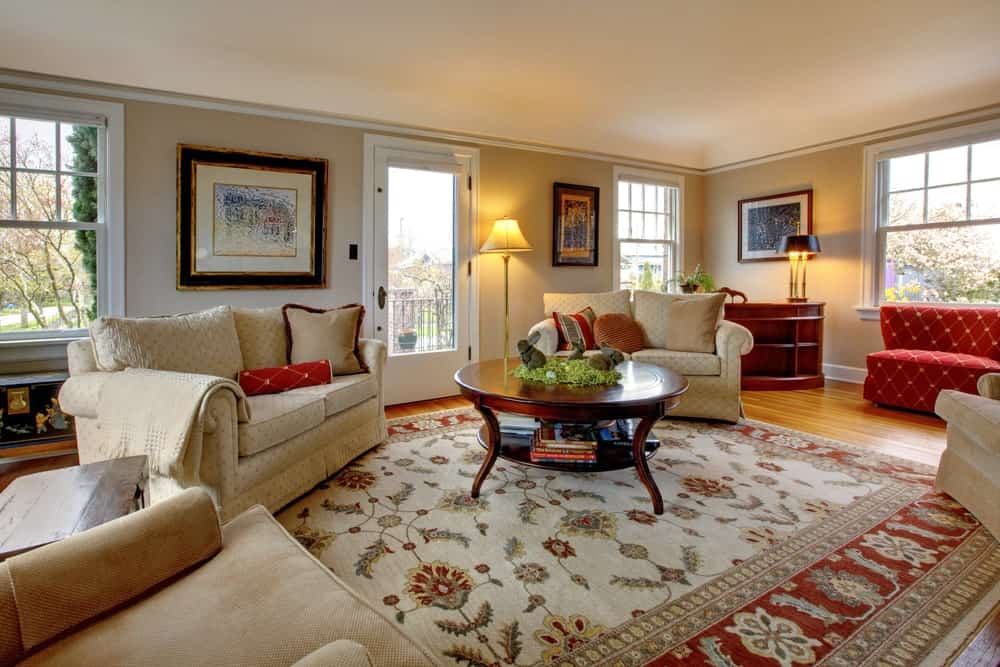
[609, 457]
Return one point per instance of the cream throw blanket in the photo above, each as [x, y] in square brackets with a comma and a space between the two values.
[161, 414]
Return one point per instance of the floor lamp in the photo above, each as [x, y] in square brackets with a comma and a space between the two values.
[505, 238]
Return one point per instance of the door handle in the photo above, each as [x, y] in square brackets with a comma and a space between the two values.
[381, 297]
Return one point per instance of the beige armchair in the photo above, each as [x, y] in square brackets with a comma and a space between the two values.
[167, 586]
[970, 466]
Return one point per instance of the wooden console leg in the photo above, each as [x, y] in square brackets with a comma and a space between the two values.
[641, 467]
[493, 431]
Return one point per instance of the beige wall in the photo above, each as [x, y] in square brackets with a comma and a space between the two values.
[514, 182]
[834, 276]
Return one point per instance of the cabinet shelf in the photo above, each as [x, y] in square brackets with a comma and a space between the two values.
[789, 354]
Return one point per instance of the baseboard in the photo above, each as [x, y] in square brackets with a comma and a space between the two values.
[845, 373]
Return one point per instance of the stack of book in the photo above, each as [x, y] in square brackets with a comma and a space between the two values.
[518, 426]
[564, 443]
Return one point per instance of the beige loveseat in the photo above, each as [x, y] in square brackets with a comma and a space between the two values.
[244, 451]
[970, 465]
[714, 378]
[166, 586]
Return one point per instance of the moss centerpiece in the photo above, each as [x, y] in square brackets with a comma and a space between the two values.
[567, 371]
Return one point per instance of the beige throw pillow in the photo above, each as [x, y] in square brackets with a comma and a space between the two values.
[692, 320]
[315, 334]
[204, 342]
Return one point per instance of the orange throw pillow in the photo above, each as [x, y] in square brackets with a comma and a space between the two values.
[619, 331]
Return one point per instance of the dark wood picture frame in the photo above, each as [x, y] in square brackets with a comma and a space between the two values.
[189, 158]
[592, 196]
[805, 226]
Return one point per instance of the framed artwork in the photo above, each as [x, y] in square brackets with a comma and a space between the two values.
[574, 224]
[764, 220]
[248, 220]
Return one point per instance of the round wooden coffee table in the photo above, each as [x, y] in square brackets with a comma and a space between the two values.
[645, 392]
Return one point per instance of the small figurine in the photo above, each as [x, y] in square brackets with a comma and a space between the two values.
[577, 352]
[40, 420]
[531, 356]
[56, 417]
[607, 359]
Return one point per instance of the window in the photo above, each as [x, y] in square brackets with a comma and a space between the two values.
[647, 226]
[936, 224]
[53, 217]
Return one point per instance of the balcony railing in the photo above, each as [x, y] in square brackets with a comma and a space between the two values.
[420, 324]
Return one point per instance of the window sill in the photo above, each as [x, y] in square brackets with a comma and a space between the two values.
[867, 313]
[12, 343]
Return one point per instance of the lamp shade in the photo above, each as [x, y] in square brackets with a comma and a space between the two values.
[807, 243]
[506, 237]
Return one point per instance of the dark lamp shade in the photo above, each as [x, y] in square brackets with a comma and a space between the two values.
[808, 243]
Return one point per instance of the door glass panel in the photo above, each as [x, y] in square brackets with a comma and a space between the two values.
[421, 261]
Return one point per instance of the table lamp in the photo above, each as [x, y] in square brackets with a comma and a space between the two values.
[505, 238]
[798, 247]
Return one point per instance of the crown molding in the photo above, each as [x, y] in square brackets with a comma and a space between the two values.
[938, 122]
[130, 93]
[113, 91]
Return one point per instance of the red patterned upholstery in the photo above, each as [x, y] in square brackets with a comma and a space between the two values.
[282, 378]
[930, 348]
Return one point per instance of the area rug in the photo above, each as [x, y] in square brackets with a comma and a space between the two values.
[776, 547]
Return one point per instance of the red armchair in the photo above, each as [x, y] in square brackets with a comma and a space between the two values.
[930, 348]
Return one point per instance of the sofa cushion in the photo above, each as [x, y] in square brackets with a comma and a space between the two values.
[342, 392]
[601, 302]
[651, 311]
[576, 328]
[619, 331]
[692, 321]
[203, 342]
[262, 600]
[913, 378]
[258, 381]
[685, 363]
[263, 340]
[275, 418]
[333, 333]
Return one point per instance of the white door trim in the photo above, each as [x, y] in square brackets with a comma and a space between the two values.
[368, 283]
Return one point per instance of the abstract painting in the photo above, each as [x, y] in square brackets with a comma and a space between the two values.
[574, 225]
[250, 220]
[253, 220]
[763, 221]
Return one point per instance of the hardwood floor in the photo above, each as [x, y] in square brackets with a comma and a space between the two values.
[835, 411]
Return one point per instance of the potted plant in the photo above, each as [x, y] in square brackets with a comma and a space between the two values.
[692, 282]
[407, 339]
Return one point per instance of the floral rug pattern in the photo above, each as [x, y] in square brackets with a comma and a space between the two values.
[776, 547]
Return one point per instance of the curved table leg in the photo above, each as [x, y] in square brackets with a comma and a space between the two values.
[641, 467]
[493, 427]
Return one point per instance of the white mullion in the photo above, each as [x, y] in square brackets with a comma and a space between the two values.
[940, 225]
[927, 172]
[968, 181]
[59, 215]
[52, 172]
[47, 224]
[13, 167]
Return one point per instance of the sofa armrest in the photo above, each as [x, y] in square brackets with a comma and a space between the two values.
[80, 357]
[373, 355]
[977, 417]
[732, 339]
[989, 386]
[548, 343]
[64, 584]
[79, 394]
[339, 653]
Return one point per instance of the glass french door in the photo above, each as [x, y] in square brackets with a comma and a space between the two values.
[421, 280]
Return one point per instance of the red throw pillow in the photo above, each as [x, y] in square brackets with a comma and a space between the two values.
[282, 378]
[619, 331]
[576, 327]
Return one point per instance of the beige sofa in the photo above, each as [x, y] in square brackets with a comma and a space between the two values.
[166, 586]
[970, 465]
[714, 378]
[244, 451]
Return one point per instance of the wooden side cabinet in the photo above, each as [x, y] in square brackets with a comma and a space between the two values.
[30, 413]
[787, 344]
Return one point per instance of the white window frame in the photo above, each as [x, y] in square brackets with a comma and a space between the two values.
[872, 252]
[110, 117]
[646, 176]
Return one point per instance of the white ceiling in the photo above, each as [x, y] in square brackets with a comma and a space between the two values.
[695, 83]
